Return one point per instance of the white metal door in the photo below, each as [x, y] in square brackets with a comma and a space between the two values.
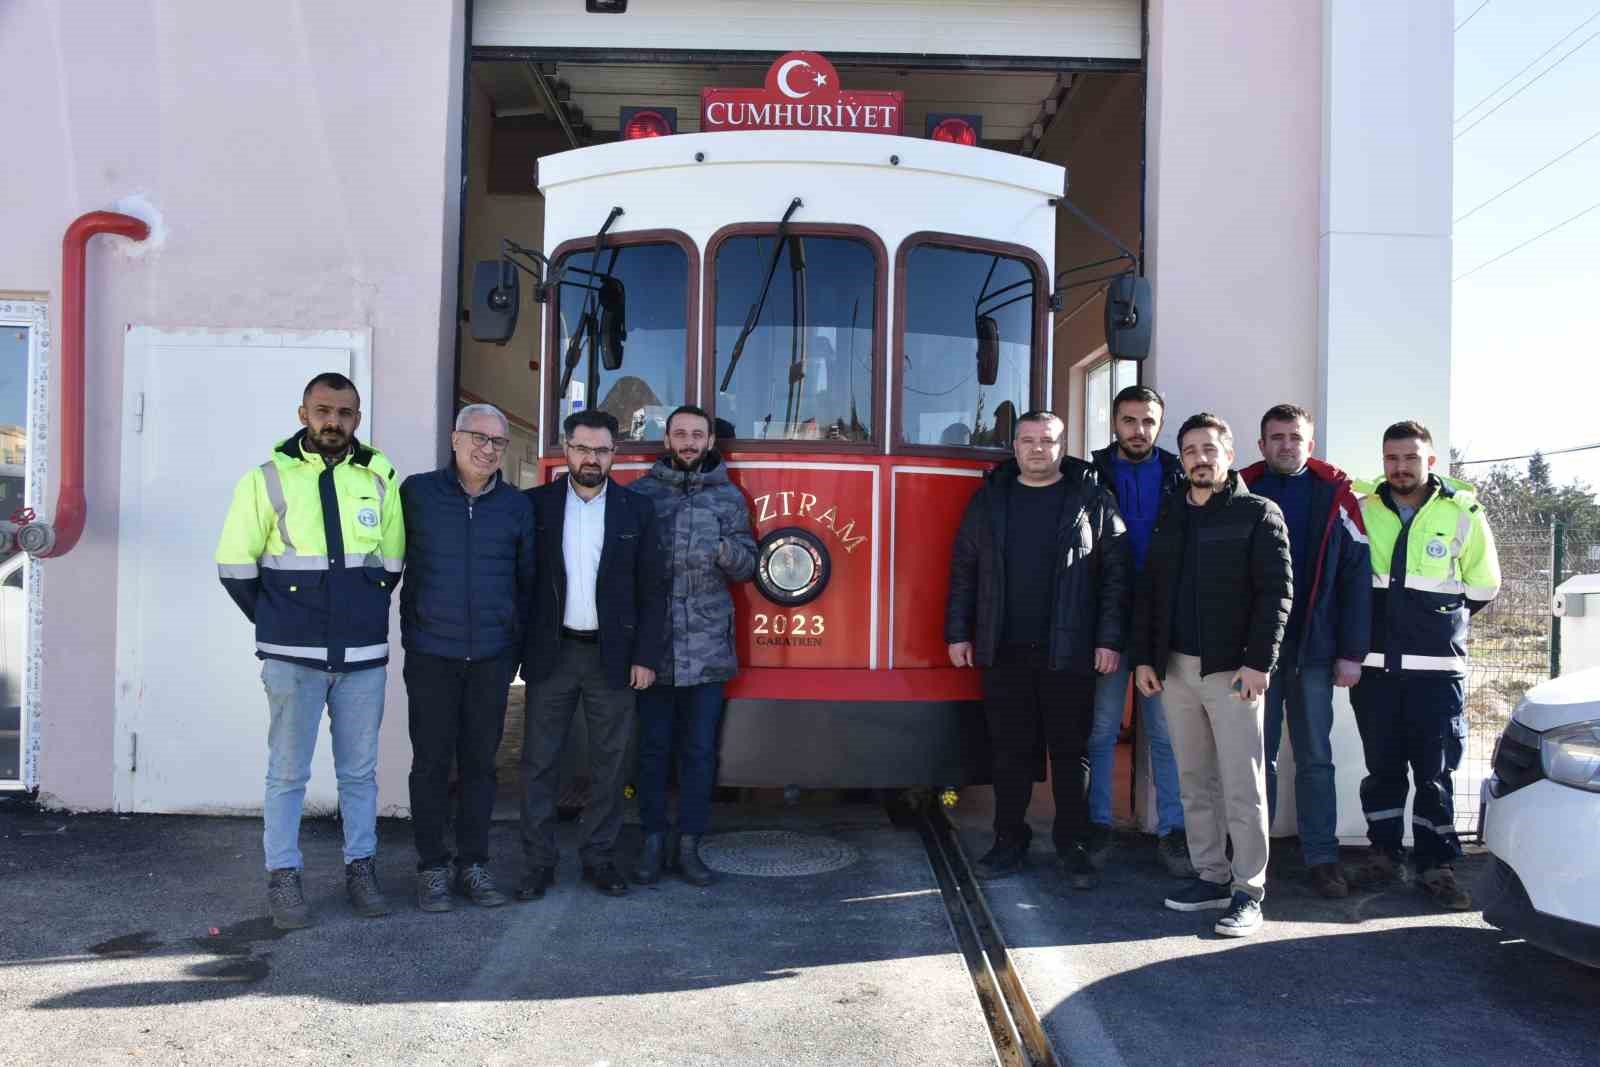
[201, 408]
[24, 362]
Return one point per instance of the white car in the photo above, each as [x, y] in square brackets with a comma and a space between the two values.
[1541, 820]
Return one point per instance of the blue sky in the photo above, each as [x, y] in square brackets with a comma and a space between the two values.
[1526, 347]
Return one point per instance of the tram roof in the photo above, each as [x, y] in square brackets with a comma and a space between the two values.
[801, 146]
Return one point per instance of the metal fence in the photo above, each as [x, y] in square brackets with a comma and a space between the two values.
[1514, 642]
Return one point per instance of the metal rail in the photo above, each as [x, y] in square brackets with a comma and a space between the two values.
[1014, 1029]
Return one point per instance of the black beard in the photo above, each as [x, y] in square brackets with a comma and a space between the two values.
[316, 443]
[699, 462]
[589, 477]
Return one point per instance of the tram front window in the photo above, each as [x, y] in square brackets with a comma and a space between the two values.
[952, 294]
[635, 298]
[804, 370]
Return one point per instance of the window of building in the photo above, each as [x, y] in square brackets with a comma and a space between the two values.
[1101, 383]
[954, 297]
[801, 348]
[634, 358]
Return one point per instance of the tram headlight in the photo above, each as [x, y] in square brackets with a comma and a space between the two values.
[792, 566]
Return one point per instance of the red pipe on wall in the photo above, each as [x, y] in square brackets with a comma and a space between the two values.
[71, 507]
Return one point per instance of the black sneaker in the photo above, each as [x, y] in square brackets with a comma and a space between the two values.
[1007, 856]
[361, 886]
[1173, 848]
[1079, 868]
[1200, 895]
[607, 879]
[476, 884]
[534, 882]
[286, 899]
[433, 889]
[1099, 845]
[1243, 917]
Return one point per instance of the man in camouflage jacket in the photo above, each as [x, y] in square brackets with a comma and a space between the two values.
[704, 524]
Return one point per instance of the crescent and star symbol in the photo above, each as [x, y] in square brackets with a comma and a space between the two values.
[818, 78]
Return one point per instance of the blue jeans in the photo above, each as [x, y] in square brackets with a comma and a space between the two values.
[1110, 694]
[1304, 695]
[296, 696]
[684, 718]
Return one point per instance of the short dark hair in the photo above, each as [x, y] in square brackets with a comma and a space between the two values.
[1285, 413]
[691, 409]
[593, 418]
[1036, 415]
[1136, 394]
[1407, 429]
[335, 381]
[1206, 421]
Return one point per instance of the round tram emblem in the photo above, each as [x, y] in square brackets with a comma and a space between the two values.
[792, 566]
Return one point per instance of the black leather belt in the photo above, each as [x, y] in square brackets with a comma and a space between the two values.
[588, 637]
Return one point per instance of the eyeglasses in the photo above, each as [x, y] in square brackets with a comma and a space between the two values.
[483, 440]
[585, 452]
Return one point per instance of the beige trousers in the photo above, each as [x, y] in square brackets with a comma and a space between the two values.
[1222, 776]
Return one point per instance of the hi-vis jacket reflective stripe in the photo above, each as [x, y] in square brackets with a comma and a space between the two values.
[1428, 576]
[312, 553]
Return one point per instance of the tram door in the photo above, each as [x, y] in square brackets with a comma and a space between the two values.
[17, 339]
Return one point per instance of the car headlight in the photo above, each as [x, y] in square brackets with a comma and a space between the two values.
[1571, 755]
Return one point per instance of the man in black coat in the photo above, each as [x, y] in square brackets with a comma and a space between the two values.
[599, 620]
[1039, 597]
[1208, 620]
[463, 608]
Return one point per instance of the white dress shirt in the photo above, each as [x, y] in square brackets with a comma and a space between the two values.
[583, 535]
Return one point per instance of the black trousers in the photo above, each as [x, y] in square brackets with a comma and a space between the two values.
[457, 713]
[1031, 708]
[579, 677]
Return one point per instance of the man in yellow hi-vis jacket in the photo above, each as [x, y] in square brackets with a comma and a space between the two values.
[311, 552]
[1433, 566]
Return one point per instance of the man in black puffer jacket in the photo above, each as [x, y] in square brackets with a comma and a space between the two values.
[466, 601]
[1039, 598]
[1208, 620]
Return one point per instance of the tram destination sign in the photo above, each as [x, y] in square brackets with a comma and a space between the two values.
[802, 93]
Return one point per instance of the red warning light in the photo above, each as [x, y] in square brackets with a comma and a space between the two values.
[955, 131]
[647, 122]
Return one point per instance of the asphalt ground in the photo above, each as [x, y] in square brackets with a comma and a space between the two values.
[1382, 976]
[144, 938]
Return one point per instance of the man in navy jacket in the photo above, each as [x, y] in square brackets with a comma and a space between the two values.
[598, 631]
[464, 606]
[1327, 634]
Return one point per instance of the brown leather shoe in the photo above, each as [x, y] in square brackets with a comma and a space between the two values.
[1328, 880]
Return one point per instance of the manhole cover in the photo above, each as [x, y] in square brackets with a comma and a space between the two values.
[775, 853]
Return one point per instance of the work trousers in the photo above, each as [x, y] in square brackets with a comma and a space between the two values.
[1221, 773]
[1024, 703]
[1303, 694]
[579, 676]
[1411, 721]
[457, 715]
[679, 720]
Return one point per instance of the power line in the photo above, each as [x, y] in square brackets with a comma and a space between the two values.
[1530, 83]
[1559, 42]
[1528, 242]
[1530, 455]
[1472, 16]
[1541, 170]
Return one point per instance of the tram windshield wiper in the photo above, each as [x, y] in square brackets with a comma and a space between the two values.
[754, 313]
[588, 324]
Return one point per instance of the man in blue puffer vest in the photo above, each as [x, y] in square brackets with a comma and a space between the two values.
[464, 607]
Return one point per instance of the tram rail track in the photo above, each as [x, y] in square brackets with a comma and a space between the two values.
[1018, 1037]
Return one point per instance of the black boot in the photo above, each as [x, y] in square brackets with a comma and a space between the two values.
[694, 871]
[652, 856]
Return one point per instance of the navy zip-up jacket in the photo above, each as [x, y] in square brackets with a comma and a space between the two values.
[470, 567]
[1337, 621]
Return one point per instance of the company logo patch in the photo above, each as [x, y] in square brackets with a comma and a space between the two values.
[369, 517]
[1436, 548]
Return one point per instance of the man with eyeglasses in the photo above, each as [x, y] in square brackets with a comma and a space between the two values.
[1040, 591]
[464, 607]
[599, 620]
